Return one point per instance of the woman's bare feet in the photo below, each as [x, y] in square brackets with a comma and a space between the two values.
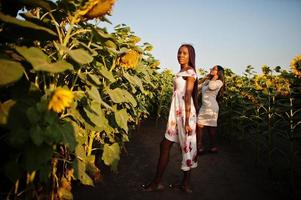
[213, 150]
[201, 149]
[152, 187]
[180, 186]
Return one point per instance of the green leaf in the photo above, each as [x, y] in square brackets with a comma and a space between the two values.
[122, 117]
[100, 34]
[35, 157]
[135, 80]
[5, 109]
[80, 166]
[110, 44]
[12, 20]
[111, 155]
[97, 117]
[33, 115]
[94, 94]
[94, 78]
[10, 71]
[53, 134]
[80, 56]
[106, 73]
[48, 5]
[33, 55]
[119, 95]
[91, 168]
[40, 61]
[57, 67]
[36, 134]
[84, 177]
[68, 135]
[51, 117]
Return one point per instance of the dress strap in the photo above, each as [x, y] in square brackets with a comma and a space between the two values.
[188, 73]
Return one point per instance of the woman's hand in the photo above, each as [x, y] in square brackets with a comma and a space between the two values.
[188, 130]
[208, 76]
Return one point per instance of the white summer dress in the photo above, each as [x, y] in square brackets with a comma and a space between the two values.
[208, 113]
[175, 131]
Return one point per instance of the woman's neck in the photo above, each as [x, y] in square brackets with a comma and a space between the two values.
[215, 77]
[185, 67]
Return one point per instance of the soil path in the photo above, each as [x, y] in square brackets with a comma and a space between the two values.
[222, 176]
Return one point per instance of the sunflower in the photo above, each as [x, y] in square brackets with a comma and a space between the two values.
[87, 7]
[296, 66]
[260, 82]
[129, 59]
[282, 86]
[60, 99]
[250, 97]
[238, 82]
[96, 8]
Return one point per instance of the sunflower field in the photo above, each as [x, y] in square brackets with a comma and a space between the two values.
[262, 113]
[71, 92]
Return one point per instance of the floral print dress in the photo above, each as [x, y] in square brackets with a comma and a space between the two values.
[175, 131]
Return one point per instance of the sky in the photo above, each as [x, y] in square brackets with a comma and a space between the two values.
[231, 33]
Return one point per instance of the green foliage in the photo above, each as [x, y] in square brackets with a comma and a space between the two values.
[53, 47]
[41, 62]
[110, 155]
[263, 111]
[80, 56]
[120, 96]
[162, 100]
[10, 72]
[26, 24]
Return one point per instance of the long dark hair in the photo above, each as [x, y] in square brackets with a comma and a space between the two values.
[191, 63]
[220, 73]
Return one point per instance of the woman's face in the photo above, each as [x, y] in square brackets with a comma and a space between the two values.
[213, 71]
[183, 56]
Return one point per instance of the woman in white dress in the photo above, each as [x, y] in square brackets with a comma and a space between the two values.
[181, 126]
[212, 89]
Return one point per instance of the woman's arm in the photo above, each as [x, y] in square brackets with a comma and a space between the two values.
[188, 93]
[203, 81]
[207, 77]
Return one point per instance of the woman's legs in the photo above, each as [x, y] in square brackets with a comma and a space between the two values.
[165, 146]
[212, 136]
[184, 185]
[186, 181]
[200, 134]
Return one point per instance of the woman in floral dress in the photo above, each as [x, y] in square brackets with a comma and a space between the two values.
[181, 126]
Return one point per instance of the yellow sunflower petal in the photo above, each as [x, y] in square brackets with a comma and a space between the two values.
[60, 99]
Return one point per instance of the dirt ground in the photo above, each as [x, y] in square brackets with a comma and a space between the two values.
[227, 175]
